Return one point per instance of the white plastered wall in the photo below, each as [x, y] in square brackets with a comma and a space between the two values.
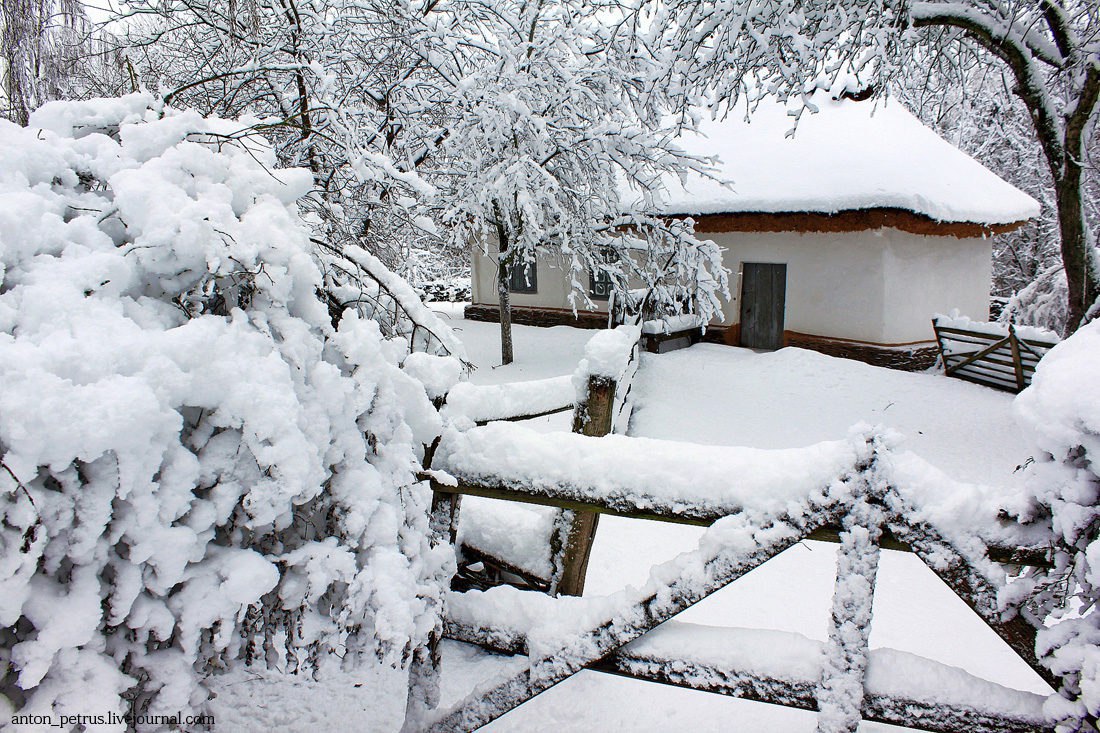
[929, 275]
[879, 286]
[835, 281]
[552, 279]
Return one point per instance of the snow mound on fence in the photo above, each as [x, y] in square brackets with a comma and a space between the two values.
[199, 471]
[664, 475]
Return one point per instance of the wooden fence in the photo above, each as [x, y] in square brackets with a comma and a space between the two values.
[866, 513]
[858, 506]
[999, 360]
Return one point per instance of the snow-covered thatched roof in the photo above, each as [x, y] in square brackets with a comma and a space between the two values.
[849, 156]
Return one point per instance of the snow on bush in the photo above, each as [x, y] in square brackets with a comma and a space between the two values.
[199, 470]
[1062, 410]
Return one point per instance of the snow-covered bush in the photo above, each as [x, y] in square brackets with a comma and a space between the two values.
[1062, 410]
[198, 469]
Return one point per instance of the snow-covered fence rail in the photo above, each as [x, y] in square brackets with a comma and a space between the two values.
[631, 477]
[571, 471]
[784, 668]
[760, 503]
[991, 354]
[484, 403]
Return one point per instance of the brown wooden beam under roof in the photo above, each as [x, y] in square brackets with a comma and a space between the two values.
[849, 220]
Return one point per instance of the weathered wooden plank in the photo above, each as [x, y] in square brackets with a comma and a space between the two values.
[978, 334]
[527, 416]
[703, 676]
[703, 517]
[1014, 342]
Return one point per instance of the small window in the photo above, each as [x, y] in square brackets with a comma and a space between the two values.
[599, 285]
[523, 278]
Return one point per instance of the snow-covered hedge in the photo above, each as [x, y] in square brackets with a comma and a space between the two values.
[1062, 411]
[199, 470]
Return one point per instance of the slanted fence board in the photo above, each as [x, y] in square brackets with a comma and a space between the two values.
[999, 358]
[994, 370]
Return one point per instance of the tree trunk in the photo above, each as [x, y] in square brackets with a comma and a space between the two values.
[1082, 278]
[504, 297]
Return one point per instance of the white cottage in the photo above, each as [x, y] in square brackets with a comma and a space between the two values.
[845, 238]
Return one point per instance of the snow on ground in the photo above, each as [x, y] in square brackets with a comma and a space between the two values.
[794, 397]
[370, 699]
[539, 352]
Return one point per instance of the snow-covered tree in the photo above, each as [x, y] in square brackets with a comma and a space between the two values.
[734, 49]
[198, 470]
[965, 94]
[341, 87]
[41, 41]
[557, 152]
[1061, 411]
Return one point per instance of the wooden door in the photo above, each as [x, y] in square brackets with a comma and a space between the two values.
[763, 293]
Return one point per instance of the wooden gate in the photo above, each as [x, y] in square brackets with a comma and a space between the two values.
[989, 354]
[763, 297]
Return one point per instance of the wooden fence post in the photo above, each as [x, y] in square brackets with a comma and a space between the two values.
[841, 691]
[1017, 360]
[575, 532]
[423, 687]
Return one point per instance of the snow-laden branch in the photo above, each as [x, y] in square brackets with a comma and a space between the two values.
[1001, 38]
